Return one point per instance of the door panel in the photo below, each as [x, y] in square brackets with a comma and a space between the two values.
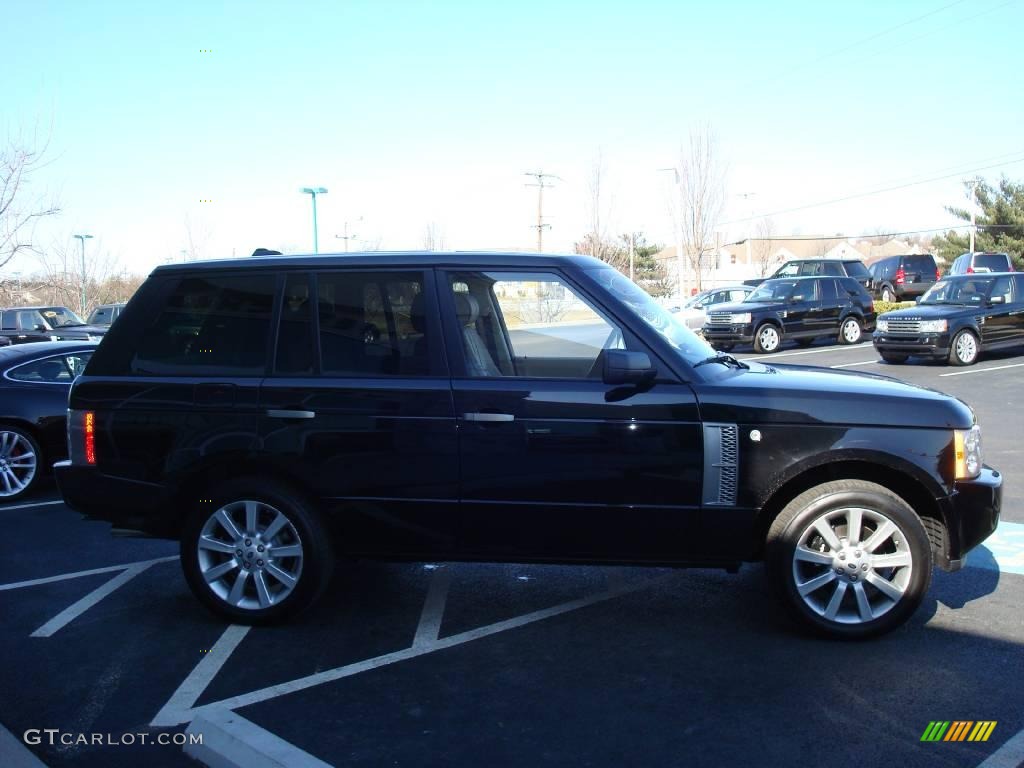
[561, 466]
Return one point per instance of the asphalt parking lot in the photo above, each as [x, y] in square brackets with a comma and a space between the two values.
[469, 664]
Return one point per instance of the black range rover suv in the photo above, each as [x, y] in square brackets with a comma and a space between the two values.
[956, 320]
[511, 407]
[800, 308]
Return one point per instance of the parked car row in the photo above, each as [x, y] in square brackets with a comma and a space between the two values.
[24, 325]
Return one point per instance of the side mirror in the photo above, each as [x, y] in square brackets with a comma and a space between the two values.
[997, 300]
[624, 367]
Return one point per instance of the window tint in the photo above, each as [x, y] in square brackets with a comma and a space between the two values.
[832, 268]
[810, 268]
[531, 325]
[9, 320]
[919, 263]
[806, 290]
[991, 262]
[373, 324]
[100, 316]
[295, 330]
[217, 325]
[828, 290]
[1018, 288]
[60, 369]
[1003, 287]
[789, 269]
[855, 269]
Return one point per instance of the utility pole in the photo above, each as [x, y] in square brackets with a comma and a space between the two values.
[347, 237]
[541, 184]
[972, 185]
[82, 239]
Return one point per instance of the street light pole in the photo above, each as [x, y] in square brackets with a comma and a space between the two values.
[972, 184]
[82, 239]
[313, 192]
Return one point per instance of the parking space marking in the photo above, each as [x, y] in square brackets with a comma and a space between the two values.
[850, 365]
[80, 574]
[1010, 755]
[76, 609]
[810, 351]
[183, 699]
[1006, 547]
[983, 370]
[169, 716]
[231, 740]
[33, 504]
[429, 628]
[14, 753]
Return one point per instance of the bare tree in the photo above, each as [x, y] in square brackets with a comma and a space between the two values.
[19, 211]
[61, 275]
[701, 197]
[596, 242]
[197, 236]
[764, 246]
[433, 237]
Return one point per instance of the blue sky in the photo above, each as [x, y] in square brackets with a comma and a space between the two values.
[411, 113]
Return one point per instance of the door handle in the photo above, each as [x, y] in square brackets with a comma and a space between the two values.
[488, 417]
[276, 413]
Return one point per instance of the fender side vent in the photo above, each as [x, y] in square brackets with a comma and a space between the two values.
[721, 463]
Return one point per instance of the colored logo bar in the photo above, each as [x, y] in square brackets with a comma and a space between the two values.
[958, 730]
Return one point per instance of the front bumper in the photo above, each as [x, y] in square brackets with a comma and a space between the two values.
[972, 514]
[729, 334]
[127, 504]
[928, 345]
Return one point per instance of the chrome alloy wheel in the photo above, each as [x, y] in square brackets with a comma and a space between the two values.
[17, 463]
[851, 331]
[769, 338]
[250, 554]
[966, 348]
[852, 565]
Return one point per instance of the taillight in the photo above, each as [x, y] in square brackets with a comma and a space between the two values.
[938, 274]
[900, 276]
[89, 430]
[970, 270]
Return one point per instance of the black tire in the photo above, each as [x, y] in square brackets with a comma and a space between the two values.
[16, 451]
[850, 330]
[795, 523]
[959, 348]
[895, 358]
[314, 567]
[761, 348]
[805, 342]
[887, 294]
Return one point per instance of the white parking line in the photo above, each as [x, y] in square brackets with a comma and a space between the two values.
[14, 753]
[80, 574]
[850, 365]
[1010, 755]
[76, 609]
[809, 351]
[429, 628]
[169, 715]
[983, 370]
[33, 504]
[199, 678]
[231, 740]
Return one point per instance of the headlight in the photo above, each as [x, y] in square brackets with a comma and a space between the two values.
[934, 326]
[882, 325]
[739, 317]
[967, 450]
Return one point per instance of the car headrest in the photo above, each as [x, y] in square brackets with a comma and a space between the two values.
[417, 313]
[467, 308]
[51, 370]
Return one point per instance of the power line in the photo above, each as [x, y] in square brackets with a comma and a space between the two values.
[878, 234]
[869, 193]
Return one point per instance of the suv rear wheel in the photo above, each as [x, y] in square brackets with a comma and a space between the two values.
[767, 338]
[849, 558]
[850, 331]
[257, 554]
[887, 294]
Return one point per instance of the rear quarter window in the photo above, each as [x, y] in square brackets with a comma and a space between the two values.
[856, 269]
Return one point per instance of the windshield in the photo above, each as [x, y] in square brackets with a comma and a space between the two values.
[59, 317]
[694, 301]
[958, 291]
[773, 290]
[686, 342]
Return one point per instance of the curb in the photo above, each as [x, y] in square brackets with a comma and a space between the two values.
[231, 741]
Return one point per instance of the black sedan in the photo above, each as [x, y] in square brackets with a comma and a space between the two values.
[34, 383]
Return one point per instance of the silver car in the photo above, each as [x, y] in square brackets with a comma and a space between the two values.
[693, 312]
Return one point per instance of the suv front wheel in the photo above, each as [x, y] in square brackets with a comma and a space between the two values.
[256, 553]
[849, 558]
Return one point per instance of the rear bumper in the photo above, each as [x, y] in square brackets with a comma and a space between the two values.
[124, 503]
[972, 514]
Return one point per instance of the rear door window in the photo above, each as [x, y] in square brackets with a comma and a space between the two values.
[214, 325]
[828, 290]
